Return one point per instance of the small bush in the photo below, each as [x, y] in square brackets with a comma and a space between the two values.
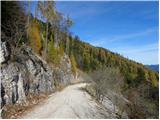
[107, 79]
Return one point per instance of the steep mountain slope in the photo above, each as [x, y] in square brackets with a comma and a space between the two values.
[90, 58]
[140, 81]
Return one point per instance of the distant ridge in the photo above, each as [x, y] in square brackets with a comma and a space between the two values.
[153, 67]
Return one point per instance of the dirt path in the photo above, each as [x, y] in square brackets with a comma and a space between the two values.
[71, 102]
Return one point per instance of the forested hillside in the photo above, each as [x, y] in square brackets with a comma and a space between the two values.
[139, 84]
[49, 37]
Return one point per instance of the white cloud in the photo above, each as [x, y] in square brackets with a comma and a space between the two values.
[133, 35]
[146, 53]
[138, 49]
[150, 57]
[107, 40]
[82, 10]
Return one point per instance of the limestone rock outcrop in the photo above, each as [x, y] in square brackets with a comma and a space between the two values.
[29, 73]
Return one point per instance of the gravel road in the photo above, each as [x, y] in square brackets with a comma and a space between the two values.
[71, 102]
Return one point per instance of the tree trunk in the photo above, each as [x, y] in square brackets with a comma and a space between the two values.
[67, 45]
[28, 17]
[46, 42]
[56, 38]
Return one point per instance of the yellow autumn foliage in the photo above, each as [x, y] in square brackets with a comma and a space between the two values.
[153, 79]
[34, 36]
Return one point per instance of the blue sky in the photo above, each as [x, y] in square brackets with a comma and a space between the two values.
[128, 28]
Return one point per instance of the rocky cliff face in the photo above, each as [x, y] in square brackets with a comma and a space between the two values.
[29, 73]
[63, 74]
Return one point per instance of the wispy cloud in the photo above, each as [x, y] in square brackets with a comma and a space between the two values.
[119, 27]
[146, 54]
[137, 49]
[116, 38]
[133, 35]
[82, 9]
